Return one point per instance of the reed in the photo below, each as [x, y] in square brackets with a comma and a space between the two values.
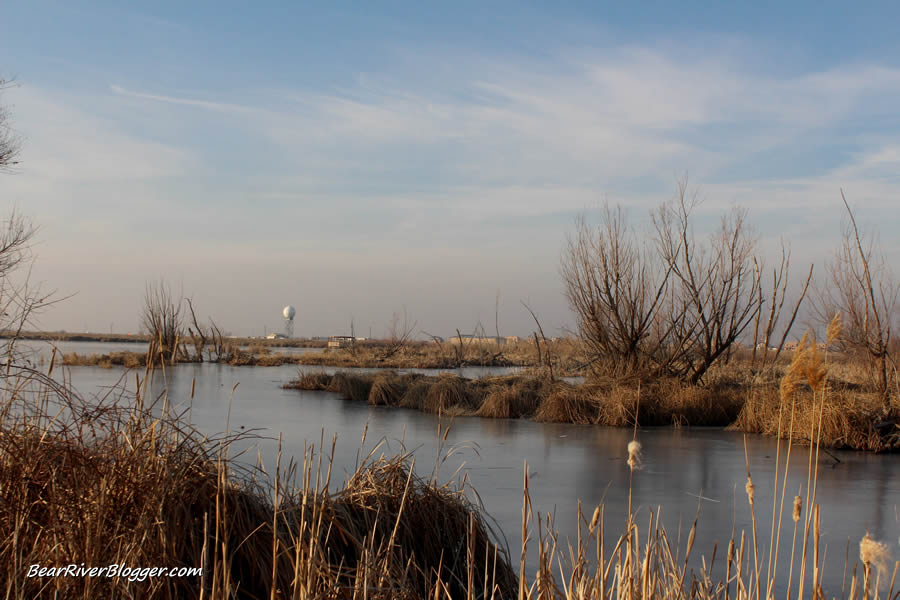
[125, 482]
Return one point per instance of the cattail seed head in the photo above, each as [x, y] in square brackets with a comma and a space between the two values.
[798, 501]
[874, 553]
[595, 519]
[750, 488]
[634, 454]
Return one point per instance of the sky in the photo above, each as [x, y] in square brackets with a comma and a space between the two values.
[361, 160]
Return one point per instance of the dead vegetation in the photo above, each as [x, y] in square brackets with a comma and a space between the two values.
[116, 483]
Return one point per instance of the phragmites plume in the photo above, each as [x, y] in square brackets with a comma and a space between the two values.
[634, 454]
[874, 553]
[750, 488]
[814, 365]
[794, 375]
[807, 364]
[798, 502]
[835, 329]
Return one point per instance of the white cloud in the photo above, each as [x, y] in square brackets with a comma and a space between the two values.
[475, 175]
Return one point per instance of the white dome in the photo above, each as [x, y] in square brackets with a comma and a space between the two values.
[289, 311]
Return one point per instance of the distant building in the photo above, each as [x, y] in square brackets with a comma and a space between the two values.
[484, 340]
[276, 336]
[340, 341]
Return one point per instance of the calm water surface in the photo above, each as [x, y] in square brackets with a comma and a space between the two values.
[566, 463]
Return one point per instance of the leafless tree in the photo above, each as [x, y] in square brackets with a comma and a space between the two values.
[615, 288]
[862, 288]
[10, 143]
[549, 356]
[766, 335]
[398, 334]
[714, 285]
[19, 298]
[162, 318]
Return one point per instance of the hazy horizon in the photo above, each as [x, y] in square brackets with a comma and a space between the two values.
[356, 162]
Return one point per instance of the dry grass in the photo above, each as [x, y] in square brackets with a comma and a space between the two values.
[451, 393]
[567, 355]
[108, 483]
[825, 401]
[129, 360]
[849, 420]
[850, 417]
[512, 397]
[114, 484]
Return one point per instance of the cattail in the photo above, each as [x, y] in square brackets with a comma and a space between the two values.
[835, 329]
[798, 501]
[634, 454]
[595, 519]
[873, 553]
[750, 488]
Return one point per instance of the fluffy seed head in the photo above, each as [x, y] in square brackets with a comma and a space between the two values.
[750, 488]
[874, 553]
[798, 501]
[634, 454]
[595, 519]
[835, 328]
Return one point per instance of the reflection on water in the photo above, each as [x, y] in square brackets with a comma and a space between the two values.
[565, 462]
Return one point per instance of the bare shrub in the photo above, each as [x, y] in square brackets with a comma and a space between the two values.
[861, 287]
[714, 294]
[162, 318]
[615, 287]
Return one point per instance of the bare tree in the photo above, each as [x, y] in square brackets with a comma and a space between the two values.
[19, 299]
[162, 318]
[398, 336]
[714, 288]
[10, 143]
[765, 336]
[615, 288]
[862, 288]
[549, 358]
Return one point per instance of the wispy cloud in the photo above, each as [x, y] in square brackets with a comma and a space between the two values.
[205, 104]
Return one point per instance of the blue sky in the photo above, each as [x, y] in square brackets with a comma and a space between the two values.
[358, 159]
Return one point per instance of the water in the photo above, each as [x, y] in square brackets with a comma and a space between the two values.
[565, 462]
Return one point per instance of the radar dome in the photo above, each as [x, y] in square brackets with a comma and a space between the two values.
[289, 311]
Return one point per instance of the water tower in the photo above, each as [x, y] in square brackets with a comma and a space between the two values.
[289, 312]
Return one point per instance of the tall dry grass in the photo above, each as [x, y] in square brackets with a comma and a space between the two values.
[662, 402]
[842, 410]
[126, 483]
[106, 482]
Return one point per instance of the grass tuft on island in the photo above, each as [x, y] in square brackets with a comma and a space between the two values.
[851, 416]
[665, 402]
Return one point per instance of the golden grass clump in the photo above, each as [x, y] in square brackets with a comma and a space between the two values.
[310, 381]
[566, 404]
[449, 394]
[389, 389]
[351, 386]
[416, 394]
[129, 360]
[512, 397]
